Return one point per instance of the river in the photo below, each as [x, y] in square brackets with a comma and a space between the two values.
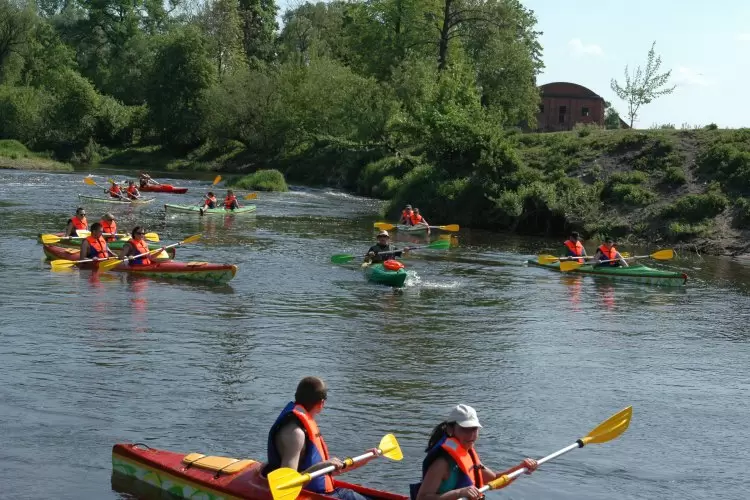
[92, 360]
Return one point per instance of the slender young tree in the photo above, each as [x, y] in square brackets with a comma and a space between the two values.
[643, 86]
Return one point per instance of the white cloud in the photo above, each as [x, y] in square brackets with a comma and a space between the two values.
[688, 76]
[743, 37]
[578, 48]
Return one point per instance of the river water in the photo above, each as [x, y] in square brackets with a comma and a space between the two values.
[93, 360]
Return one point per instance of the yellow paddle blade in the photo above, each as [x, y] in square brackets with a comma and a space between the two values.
[251, 196]
[568, 265]
[625, 255]
[192, 239]
[216, 180]
[390, 447]
[61, 264]
[286, 483]
[547, 259]
[89, 181]
[83, 233]
[450, 227]
[610, 428]
[663, 254]
[49, 239]
[109, 264]
[384, 226]
[152, 237]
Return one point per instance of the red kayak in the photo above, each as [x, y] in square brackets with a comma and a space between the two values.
[197, 476]
[193, 271]
[162, 188]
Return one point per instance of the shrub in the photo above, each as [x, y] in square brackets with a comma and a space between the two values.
[697, 207]
[634, 177]
[674, 176]
[711, 126]
[679, 231]
[742, 213]
[263, 180]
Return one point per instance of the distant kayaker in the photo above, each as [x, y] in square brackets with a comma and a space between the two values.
[144, 179]
[230, 202]
[109, 227]
[417, 219]
[132, 191]
[209, 201]
[114, 190]
[77, 222]
[294, 441]
[95, 246]
[136, 246]
[406, 214]
[376, 253]
[575, 247]
[452, 468]
[608, 252]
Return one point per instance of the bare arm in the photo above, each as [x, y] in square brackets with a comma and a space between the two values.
[84, 250]
[438, 472]
[290, 441]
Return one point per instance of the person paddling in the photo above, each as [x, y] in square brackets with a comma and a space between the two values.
[375, 254]
[452, 468]
[136, 246]
[294, 441]
[406, 214]
[109, 226]
[114, 190]
[77, 223]
[144, 179]
[574, 246]
[608, 252]
[230, 202]
[95, 246]
[209, 201]
[132, 191]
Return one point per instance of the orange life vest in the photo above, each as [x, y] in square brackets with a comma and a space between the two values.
[313, 435]
[211, 202]
[114, 191]
[576, 249]
[466, 460]
[79, 223]
[110, 228]
[97, 248]
[132, 192]
[610, 255]
[229, 202]
[416, 219]
[140, 247]
[406, 216]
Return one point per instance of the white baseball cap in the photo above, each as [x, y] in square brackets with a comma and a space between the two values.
[464, 416]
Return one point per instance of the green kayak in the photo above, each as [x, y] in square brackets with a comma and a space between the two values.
[378, 274]
[636, 273]
[116, 201]
[418, 229]
[195, 209]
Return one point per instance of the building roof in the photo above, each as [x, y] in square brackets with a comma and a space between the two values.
[568, 90]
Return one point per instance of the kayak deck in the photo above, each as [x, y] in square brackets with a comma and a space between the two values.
[636, 273]
[376, 273]
[163, 188]
[187, 209]
[116, 201]
[184, 476]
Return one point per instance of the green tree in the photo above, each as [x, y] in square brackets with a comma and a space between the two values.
[259, 29]
[223, 26]
[16, 24]
[643, 86]
[611, 116]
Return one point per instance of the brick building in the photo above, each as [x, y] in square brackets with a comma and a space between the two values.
[564, 104]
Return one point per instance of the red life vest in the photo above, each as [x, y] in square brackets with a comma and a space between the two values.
[97, 248]
[110, 228]
[576, 249]
[211, 202]
[114, 191]
[229, 202]
[140, 247]
[610, 255]
[416, 219]
[313, 435]
[79, 223]
[406, 216]
[466, 460]
[132, 192]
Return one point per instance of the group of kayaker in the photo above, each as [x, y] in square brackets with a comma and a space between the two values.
[411, 217]
[451, 469]
[210, 201]
[95, 247]
[606, 254]
[130, 193]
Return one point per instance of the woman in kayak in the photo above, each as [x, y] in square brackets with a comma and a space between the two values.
[230, 202]
[452, 468]
[77, 223]
[209, 201]
[114, 190]
[132, 191]
[607, 255]
[382, 250]
[95, 246]
[136, 246]
[406, 214]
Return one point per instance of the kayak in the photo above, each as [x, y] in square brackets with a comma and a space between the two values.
[209, 477]
[195, 209]
[636, 273]
[418, 229]
[113, 245]
[379, 274]
[193, 271]
[116, 201]
[162, 188]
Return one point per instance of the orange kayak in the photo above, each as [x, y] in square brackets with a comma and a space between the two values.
[209, 477]
[163, 188]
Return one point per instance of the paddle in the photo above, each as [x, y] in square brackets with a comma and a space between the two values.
[436, 245]
[250, 196]
[126, 196]
[606, 431]
[387, 227]
[51, 239]
[549, 259]
[659, 255]
[150, 179]
[109, 264]
[90, 182]
[286, 483]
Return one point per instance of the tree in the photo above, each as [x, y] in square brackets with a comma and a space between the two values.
[223, 27]
[16, 23]
[643, 86]
[259, 29]
[611, 119]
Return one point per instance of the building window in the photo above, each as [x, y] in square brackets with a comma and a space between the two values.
[541, 108]
[585, 111]
[563, 110]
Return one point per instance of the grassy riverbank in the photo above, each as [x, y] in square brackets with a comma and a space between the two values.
[14, 155]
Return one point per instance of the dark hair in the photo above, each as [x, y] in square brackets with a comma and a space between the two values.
[575, 234]
[310, 390]
[135, 230]
[79, 209]
[438, 433]
[210, 193]
[96, 227]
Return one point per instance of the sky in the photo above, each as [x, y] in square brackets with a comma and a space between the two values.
[706, 45]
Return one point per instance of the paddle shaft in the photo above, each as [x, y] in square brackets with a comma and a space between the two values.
[347, 463]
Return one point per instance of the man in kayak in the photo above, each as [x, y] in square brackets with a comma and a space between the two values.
[77, 222]
[382, 250]
[209, 201]
[109, 227]
[95, 246]
[114, 190]
[230, 202]
[452, 468]
[406, 214]
[132, 191]
[144, 179]
[574, 247]
[607, 255]
[294, 441]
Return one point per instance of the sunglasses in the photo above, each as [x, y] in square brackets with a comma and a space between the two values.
[141, 233]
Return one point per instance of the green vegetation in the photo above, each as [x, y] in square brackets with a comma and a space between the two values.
[262, 180]
[15, 155]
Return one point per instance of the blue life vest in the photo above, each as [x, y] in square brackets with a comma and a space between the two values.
[466, 461]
